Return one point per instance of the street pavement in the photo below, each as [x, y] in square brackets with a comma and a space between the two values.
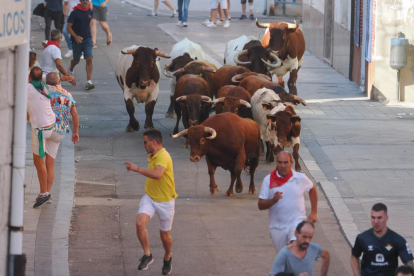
[359, 151]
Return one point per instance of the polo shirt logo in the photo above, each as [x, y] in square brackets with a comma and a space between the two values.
[388, 247]
[379, 258]
[370, 248]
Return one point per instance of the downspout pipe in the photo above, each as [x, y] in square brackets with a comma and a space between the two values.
[16, 258]
[351, 49]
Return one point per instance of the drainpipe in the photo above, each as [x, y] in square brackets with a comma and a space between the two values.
[16, 258]
[351, 50]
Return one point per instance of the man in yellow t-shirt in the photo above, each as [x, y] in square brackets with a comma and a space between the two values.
[159, 198]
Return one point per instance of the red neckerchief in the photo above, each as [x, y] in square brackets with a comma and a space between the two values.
[79, 7]
[51, 42]
[277, 181]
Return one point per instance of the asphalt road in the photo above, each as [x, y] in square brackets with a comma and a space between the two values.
[212, 235]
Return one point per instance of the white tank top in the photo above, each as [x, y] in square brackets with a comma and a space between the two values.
[39, 108]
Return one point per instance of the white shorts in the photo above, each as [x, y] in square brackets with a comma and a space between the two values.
[214, 4]
[164, 210]
[282, 237]
[51, 142]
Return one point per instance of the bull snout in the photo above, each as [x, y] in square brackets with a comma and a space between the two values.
[193, 122]
[144, 84]
[194, 158]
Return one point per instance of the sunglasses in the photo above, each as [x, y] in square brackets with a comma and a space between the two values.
[84, 0]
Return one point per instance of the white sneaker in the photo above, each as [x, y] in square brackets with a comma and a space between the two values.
[219, 22]
[206, 22]
[185, 24]
[227, 24]
[211, 25]
[70, 72]
[82, 57]
[173, 14]
[69, 54]
[179, 23]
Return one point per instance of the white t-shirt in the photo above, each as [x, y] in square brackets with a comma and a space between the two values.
[71, 5]
[290, 209]
[39, 108]
[50, 54]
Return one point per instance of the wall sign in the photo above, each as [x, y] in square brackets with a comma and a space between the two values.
[12, 22]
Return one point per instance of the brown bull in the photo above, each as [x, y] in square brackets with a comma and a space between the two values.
[235, 99]
[227, 141]
[288, 127]
[192, 101]
[286, 40]
[224, 75]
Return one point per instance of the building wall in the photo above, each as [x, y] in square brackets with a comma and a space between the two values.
[7, 61]
[318, 26]
[393, 16]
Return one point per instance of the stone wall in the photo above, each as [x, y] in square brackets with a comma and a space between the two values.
[7, 66]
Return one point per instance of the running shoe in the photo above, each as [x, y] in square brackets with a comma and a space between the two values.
[167, 267]
[219, 22]
[41, 200]
[145, 262]
[242, 17]
[227, 24]
[89, 86]
[211, 25]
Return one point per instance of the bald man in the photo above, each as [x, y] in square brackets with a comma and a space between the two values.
[282, 194]
[62, 104]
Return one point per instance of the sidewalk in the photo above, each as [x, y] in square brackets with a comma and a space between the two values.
[45, 236]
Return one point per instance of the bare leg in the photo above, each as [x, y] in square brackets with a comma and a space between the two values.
[167, 242]
[244, 9]
[226, 12]
[220, 11]
[213, 15]
[105, 28]
[93, 31]
[251, 8]
[73, 63]
[89, 68]
[142, 233]
[168, 4]
[156, 3]
[41, 172]
[50, 168]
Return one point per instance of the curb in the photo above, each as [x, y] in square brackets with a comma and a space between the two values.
[60, 239]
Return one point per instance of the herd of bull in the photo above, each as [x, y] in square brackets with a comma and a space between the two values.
[251, 110]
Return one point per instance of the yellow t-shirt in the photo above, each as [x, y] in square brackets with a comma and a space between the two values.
[164, 189]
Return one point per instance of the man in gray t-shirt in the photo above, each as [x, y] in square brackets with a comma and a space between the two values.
[300, 256]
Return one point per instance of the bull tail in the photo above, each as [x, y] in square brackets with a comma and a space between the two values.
[246, 167]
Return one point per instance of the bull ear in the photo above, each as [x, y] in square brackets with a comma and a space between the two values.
[267, 106]
[296, 120]
[271, 117]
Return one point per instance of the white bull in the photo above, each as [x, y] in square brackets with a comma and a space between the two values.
[180, 48]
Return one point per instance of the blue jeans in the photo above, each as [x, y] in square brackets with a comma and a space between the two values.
[180, 10]
[67, 35]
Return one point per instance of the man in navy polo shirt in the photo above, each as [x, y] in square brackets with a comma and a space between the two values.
[380, 247]
[78, 27]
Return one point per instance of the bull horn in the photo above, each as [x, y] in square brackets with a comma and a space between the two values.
[265, 76]
[236, 78]
[161, 54]
[275, 58]
[263, 25]
[206, 99]
[293, 26]
[166, 69]
[176, 72]
[236, 58]
[299, 99]
[219, 100]
[245, 103]
[209, 69]
[179, 134]
[211, 131]
[180, 99]
[129, 52]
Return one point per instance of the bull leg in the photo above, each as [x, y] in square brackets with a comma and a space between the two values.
[254, 162]
[281, 81]
[170, 112]
[149, 110]
[211, 172]
[261, 147]
[292, 81]
[178, 113]
[296, 157]
[271, 152]
[238, 168]
[186, 126]
[233, 179]
[267, 151]
[133, 123]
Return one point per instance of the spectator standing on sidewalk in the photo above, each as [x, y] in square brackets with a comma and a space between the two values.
[404, 270]
[68, 6]
[282, 194]
[243, 16]
[380, 247]
[182, 18]
[165, 2]
[212, 22]
[54, 11]
[159, 198]
[62, 104]
[42, 119]
[100, 12]
[300, 256]
[78, 27]
[52, 57]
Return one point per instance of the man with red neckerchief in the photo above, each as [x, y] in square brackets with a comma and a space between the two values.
[282, 194]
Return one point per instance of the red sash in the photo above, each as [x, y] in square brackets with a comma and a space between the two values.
[79, 7]
[277, 181]
[51, 42]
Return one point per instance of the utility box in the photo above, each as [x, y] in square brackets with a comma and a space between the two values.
[398, 55]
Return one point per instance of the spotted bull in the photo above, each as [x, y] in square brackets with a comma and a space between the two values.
[138, 73]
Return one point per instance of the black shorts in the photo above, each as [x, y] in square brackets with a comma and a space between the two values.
[100, 13]
[244, 1]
